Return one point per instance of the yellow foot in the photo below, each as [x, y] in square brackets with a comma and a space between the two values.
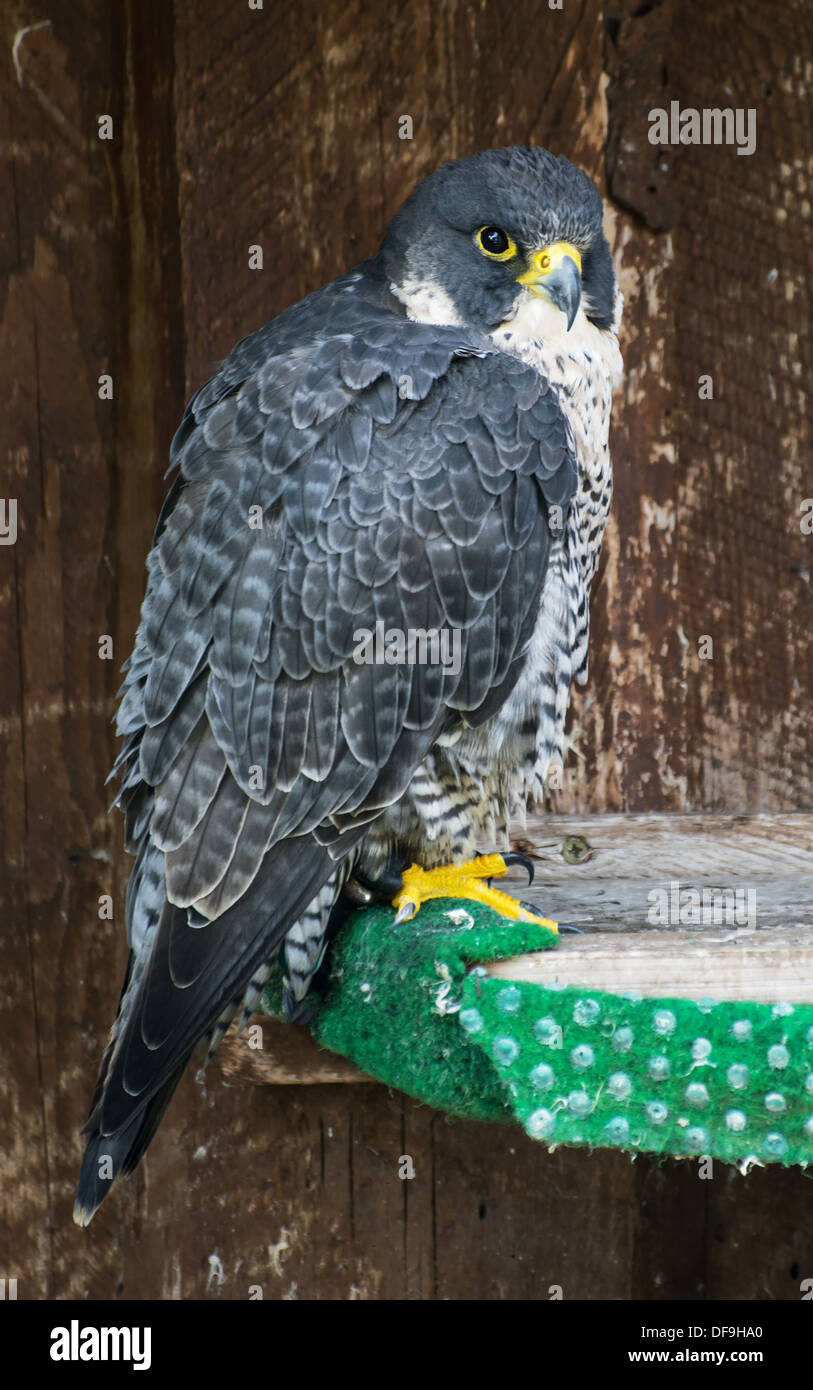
[462, 881]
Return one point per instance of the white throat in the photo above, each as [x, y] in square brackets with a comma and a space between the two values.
[538, 333]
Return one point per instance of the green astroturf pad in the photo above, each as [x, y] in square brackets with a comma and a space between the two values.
[671, 1076]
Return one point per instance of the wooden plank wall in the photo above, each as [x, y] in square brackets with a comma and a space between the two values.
[234, 127]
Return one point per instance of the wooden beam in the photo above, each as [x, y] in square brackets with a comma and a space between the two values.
[599, 872]
[769, 967]
[289, 1056]
[612, 875]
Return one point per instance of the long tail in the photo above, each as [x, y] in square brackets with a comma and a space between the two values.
[181, 976]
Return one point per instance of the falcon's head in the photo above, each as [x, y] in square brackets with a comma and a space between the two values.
[481, 235]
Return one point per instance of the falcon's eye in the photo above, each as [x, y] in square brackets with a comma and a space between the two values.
[496, 244]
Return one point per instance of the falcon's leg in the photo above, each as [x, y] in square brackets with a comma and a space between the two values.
[304, 1010]
[357, 892]
[471, 880]
[385, 884]
[306, 947]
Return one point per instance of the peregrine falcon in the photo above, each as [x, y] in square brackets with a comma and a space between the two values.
[367, 598]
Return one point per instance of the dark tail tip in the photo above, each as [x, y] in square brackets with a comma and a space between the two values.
[107, 1156]
[101, 1166]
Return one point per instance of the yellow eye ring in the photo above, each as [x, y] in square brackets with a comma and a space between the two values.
[496, 244]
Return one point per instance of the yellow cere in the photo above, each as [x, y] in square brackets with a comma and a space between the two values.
[544, 261]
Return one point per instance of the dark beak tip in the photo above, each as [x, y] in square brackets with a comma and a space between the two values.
[564, 288]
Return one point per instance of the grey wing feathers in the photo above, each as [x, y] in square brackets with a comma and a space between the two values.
[344, 468]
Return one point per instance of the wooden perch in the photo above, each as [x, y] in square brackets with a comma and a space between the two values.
[768, 967]
[289, 1057]
[627, 857]
[600, 873]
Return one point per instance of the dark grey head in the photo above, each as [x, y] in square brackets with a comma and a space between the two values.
[498, 225]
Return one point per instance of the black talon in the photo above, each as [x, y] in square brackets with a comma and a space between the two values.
[389, 881]
[517, 857]
[536, 910]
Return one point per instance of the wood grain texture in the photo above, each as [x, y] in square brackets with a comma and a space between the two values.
[132, 257]
[601, 873]
[60, 278]
[715, 961]
[718, 510]
[608, 886]
[746, 234]
[282, 1056]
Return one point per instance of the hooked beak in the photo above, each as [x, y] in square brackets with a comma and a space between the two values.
[555, 273]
